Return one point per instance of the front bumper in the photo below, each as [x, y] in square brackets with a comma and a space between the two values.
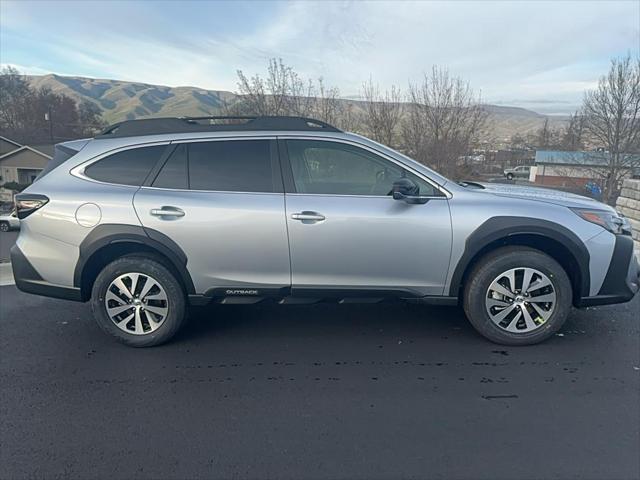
[622, 281]
[29, 280]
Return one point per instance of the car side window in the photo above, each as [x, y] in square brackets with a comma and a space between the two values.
[174, 173]
[334, 168]
[221, 165]
[128, 167]
[231, 166]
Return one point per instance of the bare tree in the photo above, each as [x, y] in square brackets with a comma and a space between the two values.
[89, 119]
[573, 135]
[350, 117]
[282, 92]
[544, 134]
[612, 119]
[383, 112]
[548, 137]
[255, 100]
[16, 102]
[443, 121]
[300, 98]
[327, 106]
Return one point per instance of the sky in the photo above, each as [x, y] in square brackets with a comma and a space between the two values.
[540, 55]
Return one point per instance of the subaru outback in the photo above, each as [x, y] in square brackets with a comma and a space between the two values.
[154, 215]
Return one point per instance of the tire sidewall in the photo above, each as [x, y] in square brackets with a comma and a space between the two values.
[499, 262]
[147, 266]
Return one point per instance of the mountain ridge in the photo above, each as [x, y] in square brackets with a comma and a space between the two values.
[124, 100]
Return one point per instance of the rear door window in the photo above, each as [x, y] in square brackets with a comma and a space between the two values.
[174, 173]
[231, 166]
[128, 167]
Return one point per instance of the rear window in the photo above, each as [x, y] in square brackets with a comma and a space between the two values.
[129, 167]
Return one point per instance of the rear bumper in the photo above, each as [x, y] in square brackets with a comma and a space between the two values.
[623, 277]
[29, 280]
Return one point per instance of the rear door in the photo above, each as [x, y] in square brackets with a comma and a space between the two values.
[222, 202]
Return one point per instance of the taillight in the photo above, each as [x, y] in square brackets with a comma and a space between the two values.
[27, 203]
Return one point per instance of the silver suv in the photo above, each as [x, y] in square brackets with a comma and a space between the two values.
[154, 215]
[517, 172]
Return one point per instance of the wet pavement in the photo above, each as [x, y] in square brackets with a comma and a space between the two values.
[323, 391]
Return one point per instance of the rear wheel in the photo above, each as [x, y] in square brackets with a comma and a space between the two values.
[138, 301]
[517, 296]
[4, 227]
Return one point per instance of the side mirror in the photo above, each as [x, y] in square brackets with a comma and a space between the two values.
[408, 191]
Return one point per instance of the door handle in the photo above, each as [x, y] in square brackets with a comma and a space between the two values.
[167, 212]
[308, 216]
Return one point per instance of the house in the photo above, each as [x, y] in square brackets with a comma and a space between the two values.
[514, 157]
[576, 169]
[20, 164]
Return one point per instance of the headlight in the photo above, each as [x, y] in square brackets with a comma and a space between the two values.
[613, 222]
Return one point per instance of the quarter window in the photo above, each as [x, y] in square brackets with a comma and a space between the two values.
[331, 168]
[128, 167]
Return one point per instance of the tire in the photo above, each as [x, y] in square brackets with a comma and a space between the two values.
[484, 303]
[509, 176]
[136, 326]
[4, 227]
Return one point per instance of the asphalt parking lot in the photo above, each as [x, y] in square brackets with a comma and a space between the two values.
[324, 391]
[7, 239]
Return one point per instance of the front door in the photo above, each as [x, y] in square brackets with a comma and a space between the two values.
[221, 201]
[346, 231]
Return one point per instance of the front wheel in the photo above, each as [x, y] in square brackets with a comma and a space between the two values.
[517, 296]
[138, 301]
[4, 227]
[510, 176]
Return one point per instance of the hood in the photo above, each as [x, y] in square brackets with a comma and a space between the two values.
[546, 195]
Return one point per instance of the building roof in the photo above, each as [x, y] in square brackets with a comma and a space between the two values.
[10, 141]
[46, 148]
[21, 149]
[7, 145]
[582, 159]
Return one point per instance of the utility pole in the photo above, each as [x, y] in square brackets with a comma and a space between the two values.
[47, 117]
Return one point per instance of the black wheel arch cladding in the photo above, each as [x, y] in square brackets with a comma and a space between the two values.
[112, 234]
[504, 229]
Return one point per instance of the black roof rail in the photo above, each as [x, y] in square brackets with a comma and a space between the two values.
[155, 126]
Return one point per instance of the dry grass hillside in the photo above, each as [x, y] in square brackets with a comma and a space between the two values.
[120, 100]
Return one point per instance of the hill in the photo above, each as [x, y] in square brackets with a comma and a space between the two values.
[121, 100]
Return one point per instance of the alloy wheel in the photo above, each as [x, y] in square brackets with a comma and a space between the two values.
[520, 300]
[136, 303]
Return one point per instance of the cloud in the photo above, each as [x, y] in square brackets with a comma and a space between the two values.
[533, 51]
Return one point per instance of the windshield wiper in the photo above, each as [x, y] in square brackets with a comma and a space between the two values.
[466, 184]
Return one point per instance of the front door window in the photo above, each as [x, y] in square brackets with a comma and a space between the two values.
[332, 168]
